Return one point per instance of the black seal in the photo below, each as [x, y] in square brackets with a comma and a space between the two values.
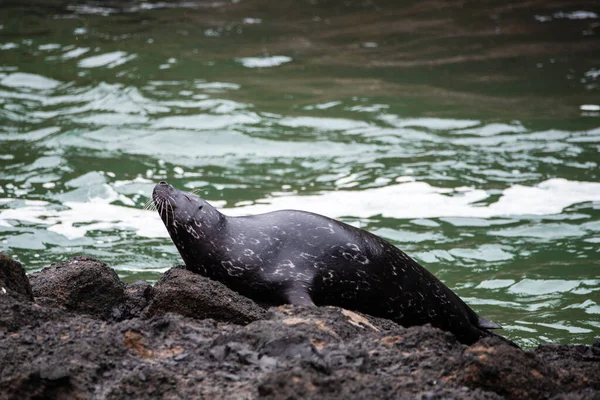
[299, 257]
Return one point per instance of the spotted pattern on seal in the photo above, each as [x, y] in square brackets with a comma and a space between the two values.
[299, 257]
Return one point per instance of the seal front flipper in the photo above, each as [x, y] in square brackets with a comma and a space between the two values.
[298, 294]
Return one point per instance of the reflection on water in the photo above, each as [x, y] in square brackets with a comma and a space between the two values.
[467, 136]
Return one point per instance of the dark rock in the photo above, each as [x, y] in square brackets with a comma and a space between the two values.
[158, 383]
[13, 280]
[54, 372]
[494, 366]
[50, 382]
[193, 295]
[137, 297]
[81, 284]
[16, 313]
[16, 307]
[584, 394]
[576, 366]
[291, 352]
[267, 363]
[300, 383]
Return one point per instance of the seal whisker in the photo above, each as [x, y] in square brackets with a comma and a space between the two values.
[170, 210]
[166, 211]
[196, 191]
[149, 205]
[161, 207]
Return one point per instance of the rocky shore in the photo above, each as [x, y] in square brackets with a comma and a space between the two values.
[75, 331]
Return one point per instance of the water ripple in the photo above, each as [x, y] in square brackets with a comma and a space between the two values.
[487, 176]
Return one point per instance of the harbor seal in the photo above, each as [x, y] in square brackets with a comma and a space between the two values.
[303, 258]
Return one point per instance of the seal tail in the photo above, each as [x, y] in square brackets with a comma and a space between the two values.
[485, 325]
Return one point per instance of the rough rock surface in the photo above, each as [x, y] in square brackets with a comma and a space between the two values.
[81, 284]
[287, 352]
[13, 278]
[193, 295]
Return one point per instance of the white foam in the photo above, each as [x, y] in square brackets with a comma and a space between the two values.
[264, 62]
[534, 287]
[108, 216]
[421, 200]
[570, 329]
[329, 124]
[429, 123]
[75, 53]
[576, 15]
[589, 107]
[81, 218]
[205, 121]
[110, 60]
[30, 81]
[486, 252]
[405, 200]
[495, 284]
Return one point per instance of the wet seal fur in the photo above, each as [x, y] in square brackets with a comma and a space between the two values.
[303, 258]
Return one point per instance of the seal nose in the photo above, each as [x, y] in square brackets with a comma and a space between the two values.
[162, 183]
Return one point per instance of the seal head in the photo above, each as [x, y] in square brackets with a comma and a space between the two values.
[298, 257]
[188, 218]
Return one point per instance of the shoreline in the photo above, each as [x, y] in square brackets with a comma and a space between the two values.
[74, 330]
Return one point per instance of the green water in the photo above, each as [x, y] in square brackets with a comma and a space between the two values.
[466, 135]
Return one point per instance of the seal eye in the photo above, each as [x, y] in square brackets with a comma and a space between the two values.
[200, 208]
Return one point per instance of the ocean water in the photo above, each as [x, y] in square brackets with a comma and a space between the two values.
[467, 136]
